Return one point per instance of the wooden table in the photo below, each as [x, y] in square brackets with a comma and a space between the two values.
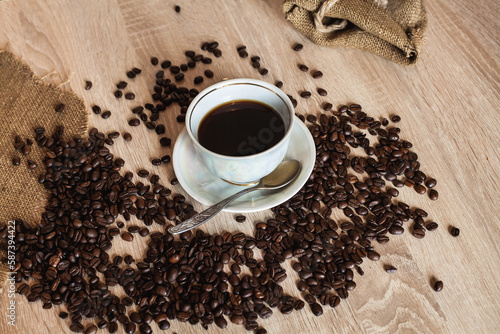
[449, 105]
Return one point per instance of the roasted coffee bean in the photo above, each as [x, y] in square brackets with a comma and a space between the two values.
[96, 110]
[240, 218]
[390, 269]
[263, 71]
[419, 233]
[16, 161]
[420, 189]
[154, 61]
[121, 85]
[88, 85]
[181, 118]
[303, 68]
[127, 136]
[430, 183]
[455, 232]
[127, 236]
[316, 309]
[156, 162]
[279, 84]
[298, 47]
[395, 119]
[322, 92]
[198, 80]
[209, 74]
[438, 286]
[106, 114]
[327, 106]
[432, 226]
[165, 141]
[134, 122]
[32, 164]
[92, 329]
[374, 256]
[317, 74]
[305, 94]
[177, 9]
[131, 74]
[130, 96]
[143, 173]
[118, 94]
[165, 159]
[243, 53]
[433, 194]
[166, 64]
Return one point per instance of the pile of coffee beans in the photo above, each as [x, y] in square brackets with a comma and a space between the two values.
[326, 231]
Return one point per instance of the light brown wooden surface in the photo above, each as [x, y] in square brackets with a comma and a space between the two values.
[449, 104]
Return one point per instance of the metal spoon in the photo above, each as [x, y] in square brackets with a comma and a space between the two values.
[284, 174]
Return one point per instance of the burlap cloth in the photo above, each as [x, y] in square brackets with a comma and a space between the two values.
[26, 102]
[393, 29]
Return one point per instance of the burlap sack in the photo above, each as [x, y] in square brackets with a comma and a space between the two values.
[393, 29]
[26, 103]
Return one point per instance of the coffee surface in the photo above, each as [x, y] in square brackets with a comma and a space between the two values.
[241, 128]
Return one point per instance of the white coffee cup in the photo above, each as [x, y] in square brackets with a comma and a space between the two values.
[241, 169]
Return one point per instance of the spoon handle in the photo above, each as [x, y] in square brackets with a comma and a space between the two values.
[207, 214]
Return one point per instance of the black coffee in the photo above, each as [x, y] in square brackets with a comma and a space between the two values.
[241, 128]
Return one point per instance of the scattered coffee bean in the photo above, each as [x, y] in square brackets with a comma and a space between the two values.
[430, 183]
[263, 71]
[106, 114]
[166, 64]
[16, 161]
[395, 119]
[303, 68]
[243, 54]
[279, 84]
[118, 94]
[305, 94]
[177, 9]
[134, 122]
[198, 80]
[121, 85]
[127, 136]
[240, 218]
[154, 61]
[433, 194]
[209, 74]
[322, 92]
[130, 96]
[165, 159]
[156, 162]
[298, 47]
[127, 236]
[432, 226]
[317, 74]
[455, 232]
[316, 309]
[390, 269]
[143, 173]
[420, 189]
[165, 141]
[88, 85]
[438, 286]
[131, 74]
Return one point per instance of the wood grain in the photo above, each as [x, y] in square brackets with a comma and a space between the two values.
[448, 103]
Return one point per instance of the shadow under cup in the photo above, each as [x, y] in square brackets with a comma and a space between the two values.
[241, 170]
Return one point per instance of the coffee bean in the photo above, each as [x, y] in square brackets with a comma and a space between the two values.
[32, 164]
[198, 80]
[156, 162]
[220, 322]
[390, 269]
[374, 256]
[316, 309]
[243, 53]
[455, 232]
[217, 53]
[322, 92]
[130, 96]
[438, 286]
[432, 226]
[317, 74]
[298, 47]
[433, 194]
[327, 106]
[237, 319]
[118, 94]
[60, 107]
[165, 141]
[106, 114]
[303, 68]
[143, 173]
[127, 136]
[16, 161]
[166, 64]
[88, 85]
[181, 118]
[96, 110]
[263, 71]
[134, 122]
[430, 183]
[154, 61]
[165, 159]
[177, 9]
[136, 70]
[420, 189]
[131, 74]
[240, 218]
[121, 85]
[92, 329]
[419, 233]
[305, 94]
[209, 74]
[279, 84]
[395, 119]
[127, 236]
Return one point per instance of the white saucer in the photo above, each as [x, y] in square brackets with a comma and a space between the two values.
[208, 189]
